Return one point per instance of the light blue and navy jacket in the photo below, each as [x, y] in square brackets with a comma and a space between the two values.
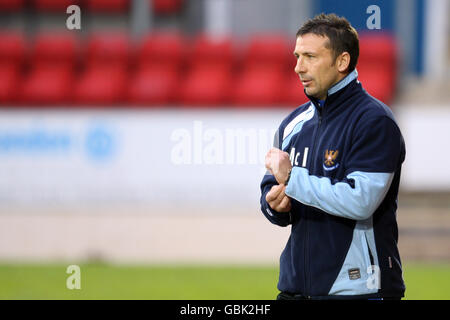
[346, 156]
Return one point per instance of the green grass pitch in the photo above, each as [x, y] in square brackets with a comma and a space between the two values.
[196, 282]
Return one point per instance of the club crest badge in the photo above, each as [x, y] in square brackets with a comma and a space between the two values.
[330, 160]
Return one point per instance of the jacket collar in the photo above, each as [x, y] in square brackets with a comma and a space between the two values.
[343, 82]
[336, 92]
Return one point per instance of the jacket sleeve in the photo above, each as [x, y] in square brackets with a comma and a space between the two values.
[279, 218]
[377, 150]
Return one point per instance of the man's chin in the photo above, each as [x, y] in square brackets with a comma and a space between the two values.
[310, 93]
[313, 94]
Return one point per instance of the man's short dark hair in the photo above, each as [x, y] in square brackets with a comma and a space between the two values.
[342, 36]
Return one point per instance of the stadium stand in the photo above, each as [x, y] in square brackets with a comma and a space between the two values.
[377, 64]
[113, 6]
[211, 67]
[164, 7]
[102, 6]
[168, 68]
[159, 60]
[11, 5]
[104, 77]
[53, 60]
[270, 50]
[12, 57]
[265, 68]
[54, 5]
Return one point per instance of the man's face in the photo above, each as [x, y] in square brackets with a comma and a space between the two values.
[316, 65]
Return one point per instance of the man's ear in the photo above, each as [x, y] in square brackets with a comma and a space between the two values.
[343, 61]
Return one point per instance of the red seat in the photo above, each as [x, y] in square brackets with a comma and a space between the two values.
[378, 81]
[101, 86]
[377, 47]
[52, 70]
[265, 68]
[259, 87]
[212, 51]
[159, 60]
[211, 69]
[106, 70]
[162, 49]
[107, 5]
[47, 86]
[11, 5]
[109, 49]
[12, 48]
[153, 86]
[9, 84]
[166, 6]
[54, 5]
[55, 49]
[377, 65]
[205, 86]
[12, 57]
[270, 50]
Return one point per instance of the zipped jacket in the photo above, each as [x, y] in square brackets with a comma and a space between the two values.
[346, 157]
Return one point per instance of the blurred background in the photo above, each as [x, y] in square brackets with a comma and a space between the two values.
[133, 135]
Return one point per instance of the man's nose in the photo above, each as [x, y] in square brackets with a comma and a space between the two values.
[300, 66]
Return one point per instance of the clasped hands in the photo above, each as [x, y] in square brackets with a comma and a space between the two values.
[278, 164]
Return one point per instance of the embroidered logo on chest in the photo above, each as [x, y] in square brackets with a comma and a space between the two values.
[330, 160]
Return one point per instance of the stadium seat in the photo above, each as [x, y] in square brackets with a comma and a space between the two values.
[53, 60]
[264, 72]
[259, 87]
[12, 57]
[113, 6]
[166, 6]
[108, 48]
[378, 81]
[11, 5]
[212, 51]
[159, 63]
[205, 86]
[55, 49]
[377, 64]
[211, 69]
[162, 49]
[153, 86]
[105, 75]
[101, 86]
[47, 86]
[54, 5]
[377, 47]
[9, 84]
[12, 48]
[270, 50]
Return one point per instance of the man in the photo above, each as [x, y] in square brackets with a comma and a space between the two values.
[334, 175]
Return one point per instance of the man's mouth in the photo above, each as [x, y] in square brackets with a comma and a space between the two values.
[306, 82]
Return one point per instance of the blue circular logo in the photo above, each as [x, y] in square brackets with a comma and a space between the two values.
[100, 143]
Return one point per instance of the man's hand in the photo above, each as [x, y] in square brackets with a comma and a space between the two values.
[277, 199]
[279, 164]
